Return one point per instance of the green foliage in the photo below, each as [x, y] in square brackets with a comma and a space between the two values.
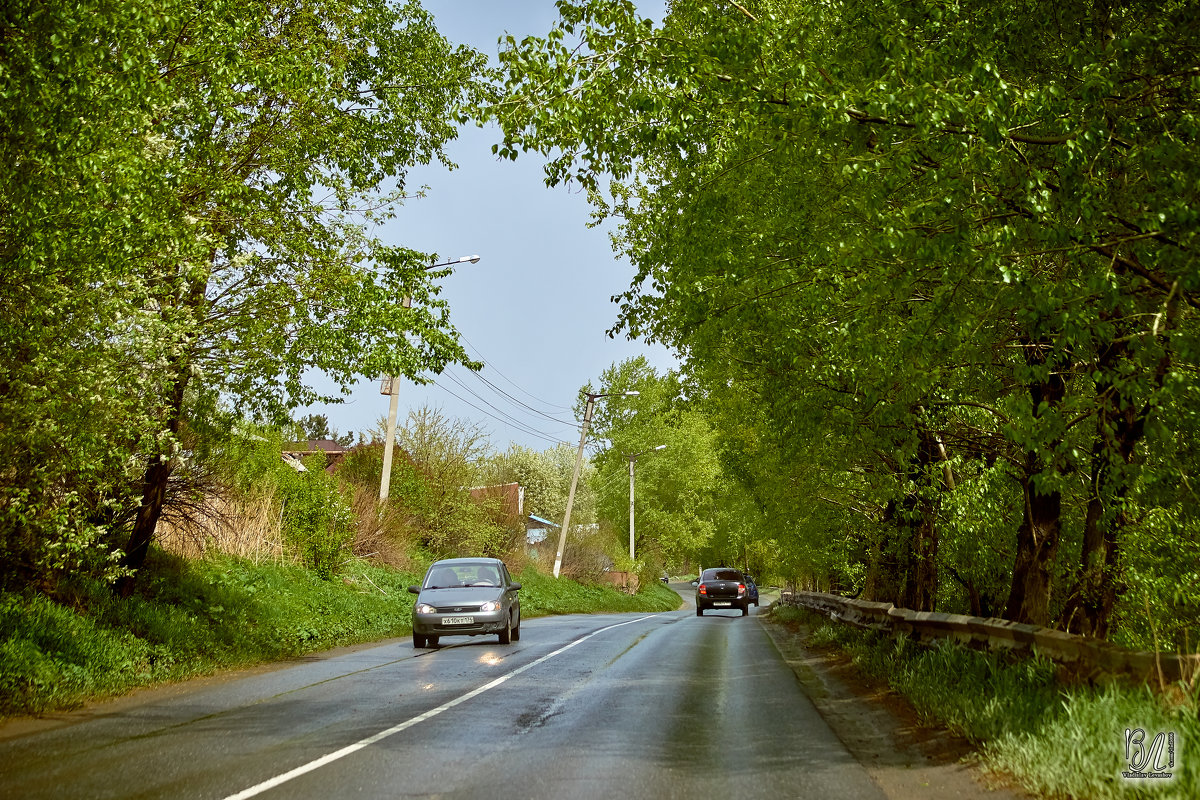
[678, 490]
[440, 455]
[315, 509]
[546, 479]
[542, 595]
[930, 268]
[186, 204]
[318, 522]
[1078, 751]
[316, 426]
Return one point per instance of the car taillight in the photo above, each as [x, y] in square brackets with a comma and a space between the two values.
[703, 589]
[741, 589]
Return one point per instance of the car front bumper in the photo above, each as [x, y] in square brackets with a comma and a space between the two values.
[482, 622]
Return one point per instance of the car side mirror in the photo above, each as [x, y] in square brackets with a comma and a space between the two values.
[415, 589]
[514, 586]
[695, 583]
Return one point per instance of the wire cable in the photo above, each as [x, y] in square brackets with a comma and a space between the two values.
[509, 380]
[458, 381]
[514, 425]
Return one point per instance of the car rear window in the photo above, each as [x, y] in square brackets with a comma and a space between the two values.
[722, 575]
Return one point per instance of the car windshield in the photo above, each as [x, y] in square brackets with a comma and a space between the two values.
[445, 576]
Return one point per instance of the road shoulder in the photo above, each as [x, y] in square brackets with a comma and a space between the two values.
[880, 728]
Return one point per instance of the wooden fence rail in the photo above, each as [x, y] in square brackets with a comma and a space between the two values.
[1086, 657]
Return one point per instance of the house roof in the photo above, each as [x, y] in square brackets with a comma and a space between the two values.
[313, 446]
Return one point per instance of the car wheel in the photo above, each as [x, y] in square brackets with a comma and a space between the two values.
[699, 611]
[516, 632]
[506, 634]
[431, 641]
[418, 640]
[745, 609]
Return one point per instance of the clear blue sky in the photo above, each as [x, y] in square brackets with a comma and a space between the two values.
[536, 307]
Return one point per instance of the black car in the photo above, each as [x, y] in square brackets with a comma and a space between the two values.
[722, 588]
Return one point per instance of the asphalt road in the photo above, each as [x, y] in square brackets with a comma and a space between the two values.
[640, 706]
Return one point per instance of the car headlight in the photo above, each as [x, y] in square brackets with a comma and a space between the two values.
[425, 608]
[490, 605]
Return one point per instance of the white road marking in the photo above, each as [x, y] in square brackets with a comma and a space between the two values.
[370, 740]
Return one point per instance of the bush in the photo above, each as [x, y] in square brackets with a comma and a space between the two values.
[318, 522]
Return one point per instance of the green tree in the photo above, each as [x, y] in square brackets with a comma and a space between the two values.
[443, 457]
[189, 196]
[677, 489]
[937, 234]
[546, 478]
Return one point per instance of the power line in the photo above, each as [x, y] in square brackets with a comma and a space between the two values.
[517, 402]
[499, 411]
[509, 380]
[513, 424]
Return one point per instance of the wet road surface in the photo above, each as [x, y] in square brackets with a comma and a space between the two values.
[586, 706]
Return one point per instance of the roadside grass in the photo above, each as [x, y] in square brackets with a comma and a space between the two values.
[1060, 740]
[543, 595]
[193, 617]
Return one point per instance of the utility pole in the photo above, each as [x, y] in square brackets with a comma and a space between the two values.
[632, 459]
[385, 480]
[587, 419]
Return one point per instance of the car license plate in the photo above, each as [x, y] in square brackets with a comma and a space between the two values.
[722, 604]
[458, 620]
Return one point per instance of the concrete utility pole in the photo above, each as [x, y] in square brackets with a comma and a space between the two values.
[632, 459]
[385, 480]
[587, 419]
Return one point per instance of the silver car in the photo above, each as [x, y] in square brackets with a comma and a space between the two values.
[466, 597]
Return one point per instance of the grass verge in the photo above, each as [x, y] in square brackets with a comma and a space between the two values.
[194, 617]
[1059, 740]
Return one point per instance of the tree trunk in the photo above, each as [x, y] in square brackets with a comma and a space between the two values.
[1039, 533]
[882, 584]
[160, 466]
[1120, 427]
[1037, 550]
[920, 590]
[903, 567]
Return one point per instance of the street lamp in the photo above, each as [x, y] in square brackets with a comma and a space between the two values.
[393, 389]
[587, 418]
[633, 458]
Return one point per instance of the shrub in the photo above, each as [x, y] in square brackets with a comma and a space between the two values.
[318, 522]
